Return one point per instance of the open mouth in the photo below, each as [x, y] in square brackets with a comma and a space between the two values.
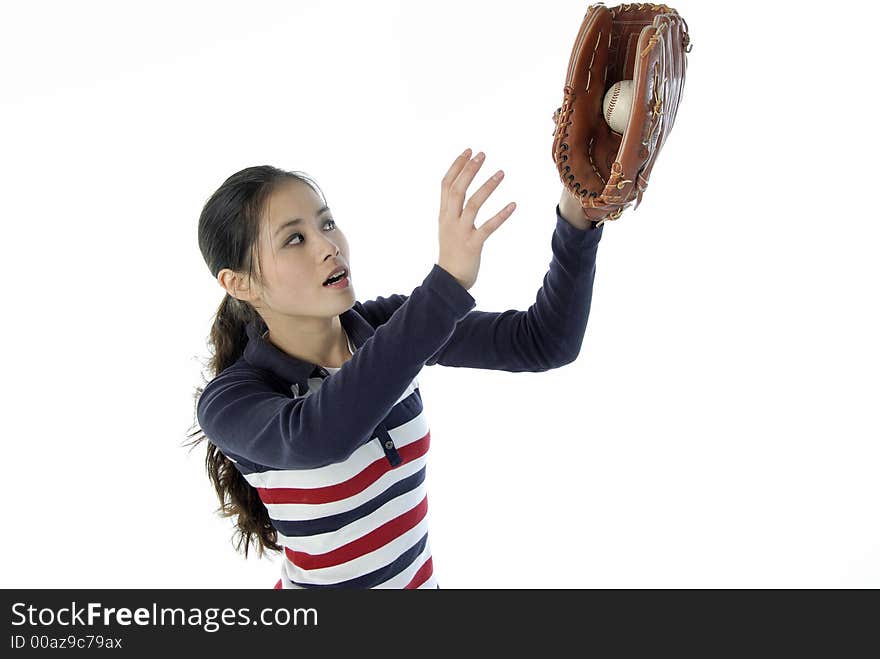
[338, 280]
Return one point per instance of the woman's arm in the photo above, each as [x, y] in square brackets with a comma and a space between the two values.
[570, 209]
[547, 335]
[550, 332]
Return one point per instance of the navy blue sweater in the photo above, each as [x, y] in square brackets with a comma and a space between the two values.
[304, 435]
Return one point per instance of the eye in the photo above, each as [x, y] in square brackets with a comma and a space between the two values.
[326, 222]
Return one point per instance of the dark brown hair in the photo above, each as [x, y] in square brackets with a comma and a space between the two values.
[229, 230]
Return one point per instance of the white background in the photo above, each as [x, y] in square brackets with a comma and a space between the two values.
[719, 428]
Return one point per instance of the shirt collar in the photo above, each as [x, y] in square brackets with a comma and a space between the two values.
[261, 353]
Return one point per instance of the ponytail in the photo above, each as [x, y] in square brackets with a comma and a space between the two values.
[228, 334]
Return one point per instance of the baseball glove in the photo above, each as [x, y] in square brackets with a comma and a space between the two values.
[643, 43]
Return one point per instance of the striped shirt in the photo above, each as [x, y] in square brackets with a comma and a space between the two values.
[339, 455]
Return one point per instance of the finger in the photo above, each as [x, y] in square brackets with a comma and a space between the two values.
[462, 181]
[454, 169]
[489, 226]
[482, 194]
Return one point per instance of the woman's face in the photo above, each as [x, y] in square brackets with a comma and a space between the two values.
[297, 257]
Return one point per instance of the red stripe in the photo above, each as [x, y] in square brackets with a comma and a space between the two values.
[277, 585]
[422, 575]
[357, 483]
[376, 538]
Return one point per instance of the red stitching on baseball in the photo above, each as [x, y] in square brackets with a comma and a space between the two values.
[612, 102]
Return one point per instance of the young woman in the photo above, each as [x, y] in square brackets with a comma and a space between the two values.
[317, 439]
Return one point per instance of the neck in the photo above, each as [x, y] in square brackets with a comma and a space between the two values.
[316, 340]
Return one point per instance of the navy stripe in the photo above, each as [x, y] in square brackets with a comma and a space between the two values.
[381, 575]
[301, 528]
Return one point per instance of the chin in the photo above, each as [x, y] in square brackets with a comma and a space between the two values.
[347, 294]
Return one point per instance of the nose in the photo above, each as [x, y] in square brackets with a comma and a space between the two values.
[330, 248]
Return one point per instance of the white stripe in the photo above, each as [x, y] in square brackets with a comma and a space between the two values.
[295, 512]
[321, 543]
[361, 565]
[287, 584]
[339, 472]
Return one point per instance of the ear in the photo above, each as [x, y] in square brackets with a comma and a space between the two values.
[237, 285]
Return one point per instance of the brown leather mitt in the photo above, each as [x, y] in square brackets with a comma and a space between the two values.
[644, 43]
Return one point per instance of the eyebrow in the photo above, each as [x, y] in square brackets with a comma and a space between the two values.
[297, 220]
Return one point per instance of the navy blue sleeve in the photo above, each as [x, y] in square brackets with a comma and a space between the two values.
[549, 333]
[377, 312]
[241, 412]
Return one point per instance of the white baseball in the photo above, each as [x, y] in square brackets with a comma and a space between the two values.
[617, 105]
